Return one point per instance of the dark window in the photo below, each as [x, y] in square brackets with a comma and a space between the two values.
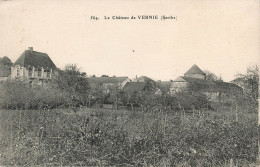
[30, 84]
[39, 73]
[18, 72]
[30, 72]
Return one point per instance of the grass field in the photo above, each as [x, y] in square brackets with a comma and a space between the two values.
[92, 137]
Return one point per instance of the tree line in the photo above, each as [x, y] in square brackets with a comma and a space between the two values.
[71, 88]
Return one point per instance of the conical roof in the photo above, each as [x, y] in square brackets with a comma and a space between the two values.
[194, 70]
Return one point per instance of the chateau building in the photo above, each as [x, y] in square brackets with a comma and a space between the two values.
[35, 67]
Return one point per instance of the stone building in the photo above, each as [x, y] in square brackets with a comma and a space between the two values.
[195, 80]
[34, 67]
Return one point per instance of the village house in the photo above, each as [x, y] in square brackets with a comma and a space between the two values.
[195, 79]
[34, 67]
[106, 83]
[135, 86]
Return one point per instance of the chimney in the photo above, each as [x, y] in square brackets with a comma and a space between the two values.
[30, 48]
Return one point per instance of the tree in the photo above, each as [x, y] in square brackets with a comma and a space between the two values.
[5, 61]
[104, 76]
[164, 86]
[114, 95]
[5, 66]
[75, 83]
[211, 76]
[130, 97]
[150, 86]
[249, 82]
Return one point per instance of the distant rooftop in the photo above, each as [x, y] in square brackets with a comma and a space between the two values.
[142, 79]
[194, 70]
[134, 86]
[113, 80]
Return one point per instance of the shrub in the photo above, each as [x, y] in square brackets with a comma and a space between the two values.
[192, 101]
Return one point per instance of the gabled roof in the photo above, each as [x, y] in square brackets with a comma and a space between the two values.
[36, 59]
[143, 78]
[194, 70]
[5, 71]
[211, 86]
[134, 86]
[113, 80]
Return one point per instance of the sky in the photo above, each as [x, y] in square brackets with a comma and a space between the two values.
[221, 36]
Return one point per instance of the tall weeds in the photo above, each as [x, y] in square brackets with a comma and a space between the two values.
[123, 138]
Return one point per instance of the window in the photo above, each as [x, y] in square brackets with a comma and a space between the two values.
[48, 74]
[30, 72]
[18, 72]
[39, 73]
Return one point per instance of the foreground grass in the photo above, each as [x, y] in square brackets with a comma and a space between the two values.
[123, 138]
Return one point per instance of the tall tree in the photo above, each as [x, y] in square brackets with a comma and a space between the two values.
[75, 83]
[250, 82]
[5, 61]
[210, 76]
[114, 95]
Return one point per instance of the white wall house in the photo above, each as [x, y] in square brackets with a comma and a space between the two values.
[35, 67]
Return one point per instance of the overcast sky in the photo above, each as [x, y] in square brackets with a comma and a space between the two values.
[221, 36]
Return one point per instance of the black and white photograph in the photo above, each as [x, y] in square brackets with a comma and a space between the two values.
[129, 83]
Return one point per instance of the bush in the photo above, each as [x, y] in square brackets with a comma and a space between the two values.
[187, 100]
[18, 95]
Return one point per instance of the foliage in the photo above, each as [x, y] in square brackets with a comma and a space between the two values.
[119, 138]
[18, 95]
[5, 66]
[195, 100]
[250, 82]
[114, 95]
[150, 86]
[164, 87]
[211, 76]
[5, 61]
[104, 76]
[72, 81]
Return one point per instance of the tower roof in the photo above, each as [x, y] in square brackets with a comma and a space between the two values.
[194, 70]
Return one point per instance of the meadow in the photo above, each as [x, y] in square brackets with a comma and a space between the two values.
[99, 137]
